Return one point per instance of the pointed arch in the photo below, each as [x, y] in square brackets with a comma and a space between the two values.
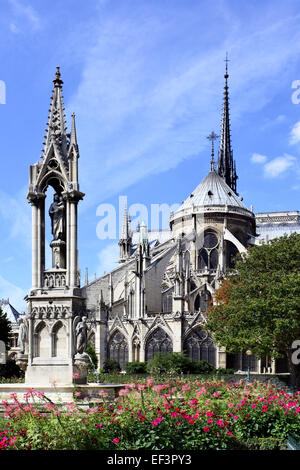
[157, 342]
[208, 254]
[42, 340]
[59, 340]
[117, 348]
[198, 345]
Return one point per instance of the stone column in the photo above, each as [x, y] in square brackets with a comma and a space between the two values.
[142, 354]
[40, 230]
[176, 327]
[221, 357]
[34, 245]
[73, 243]
[130, 351]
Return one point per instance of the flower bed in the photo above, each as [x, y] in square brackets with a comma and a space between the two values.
[178, 414]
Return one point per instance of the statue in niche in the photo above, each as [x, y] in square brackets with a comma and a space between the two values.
[57, 214]
[22, 337]
[81, 331]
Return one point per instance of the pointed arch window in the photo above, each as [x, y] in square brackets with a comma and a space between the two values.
[118, 349]
[208, 256]
[199, 346]
[232, 253]
[158, 342]
[202, 301]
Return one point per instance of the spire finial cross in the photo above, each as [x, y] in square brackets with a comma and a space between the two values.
[212, 137]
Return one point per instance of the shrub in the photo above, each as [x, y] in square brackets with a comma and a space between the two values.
[222, 371]
[10, 369]
[170, 363]
[136, 367]
[111, 365]
[201, 367]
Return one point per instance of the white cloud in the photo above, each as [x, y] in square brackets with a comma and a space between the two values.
[14, 29]
[269, 123]
[257, 158]
[108, 259]
[143, 106]
[23, 11]
[295, 134]
[278, 166]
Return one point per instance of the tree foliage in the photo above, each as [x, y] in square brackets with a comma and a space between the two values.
[5, 328]
[258, 304]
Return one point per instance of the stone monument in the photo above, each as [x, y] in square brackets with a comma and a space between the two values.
[49, 350]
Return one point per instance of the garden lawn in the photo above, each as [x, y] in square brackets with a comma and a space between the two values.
[179, 414]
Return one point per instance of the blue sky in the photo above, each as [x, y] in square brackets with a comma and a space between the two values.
[145, 79]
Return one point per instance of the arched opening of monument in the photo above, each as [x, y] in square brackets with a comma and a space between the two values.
[42, 343]
[59, 343]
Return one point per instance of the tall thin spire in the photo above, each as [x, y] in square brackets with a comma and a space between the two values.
[125, 242]
[56, 126]
[125, 225]
[226, 165]
[73, 135]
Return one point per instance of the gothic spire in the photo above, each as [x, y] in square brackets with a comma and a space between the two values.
[73, 135]
[56, 126]
[226, 165]
[126, 225]
[125, 242]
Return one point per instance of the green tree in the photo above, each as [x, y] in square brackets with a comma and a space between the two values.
[5, 327]
[258, 304]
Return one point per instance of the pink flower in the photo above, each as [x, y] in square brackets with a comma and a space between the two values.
[206, 429]
[116, 440]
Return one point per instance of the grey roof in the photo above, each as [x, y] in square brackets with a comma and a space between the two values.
[11, 313]
[212, 191]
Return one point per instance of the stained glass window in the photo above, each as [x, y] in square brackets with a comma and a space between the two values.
[159, 341]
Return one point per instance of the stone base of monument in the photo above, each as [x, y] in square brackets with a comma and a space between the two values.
[21, 361]
[81, 364]
[59, 394]
[49, 370]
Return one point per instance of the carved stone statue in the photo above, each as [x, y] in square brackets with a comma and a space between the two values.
[57, 214]
[22, 337]
[81, 335]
